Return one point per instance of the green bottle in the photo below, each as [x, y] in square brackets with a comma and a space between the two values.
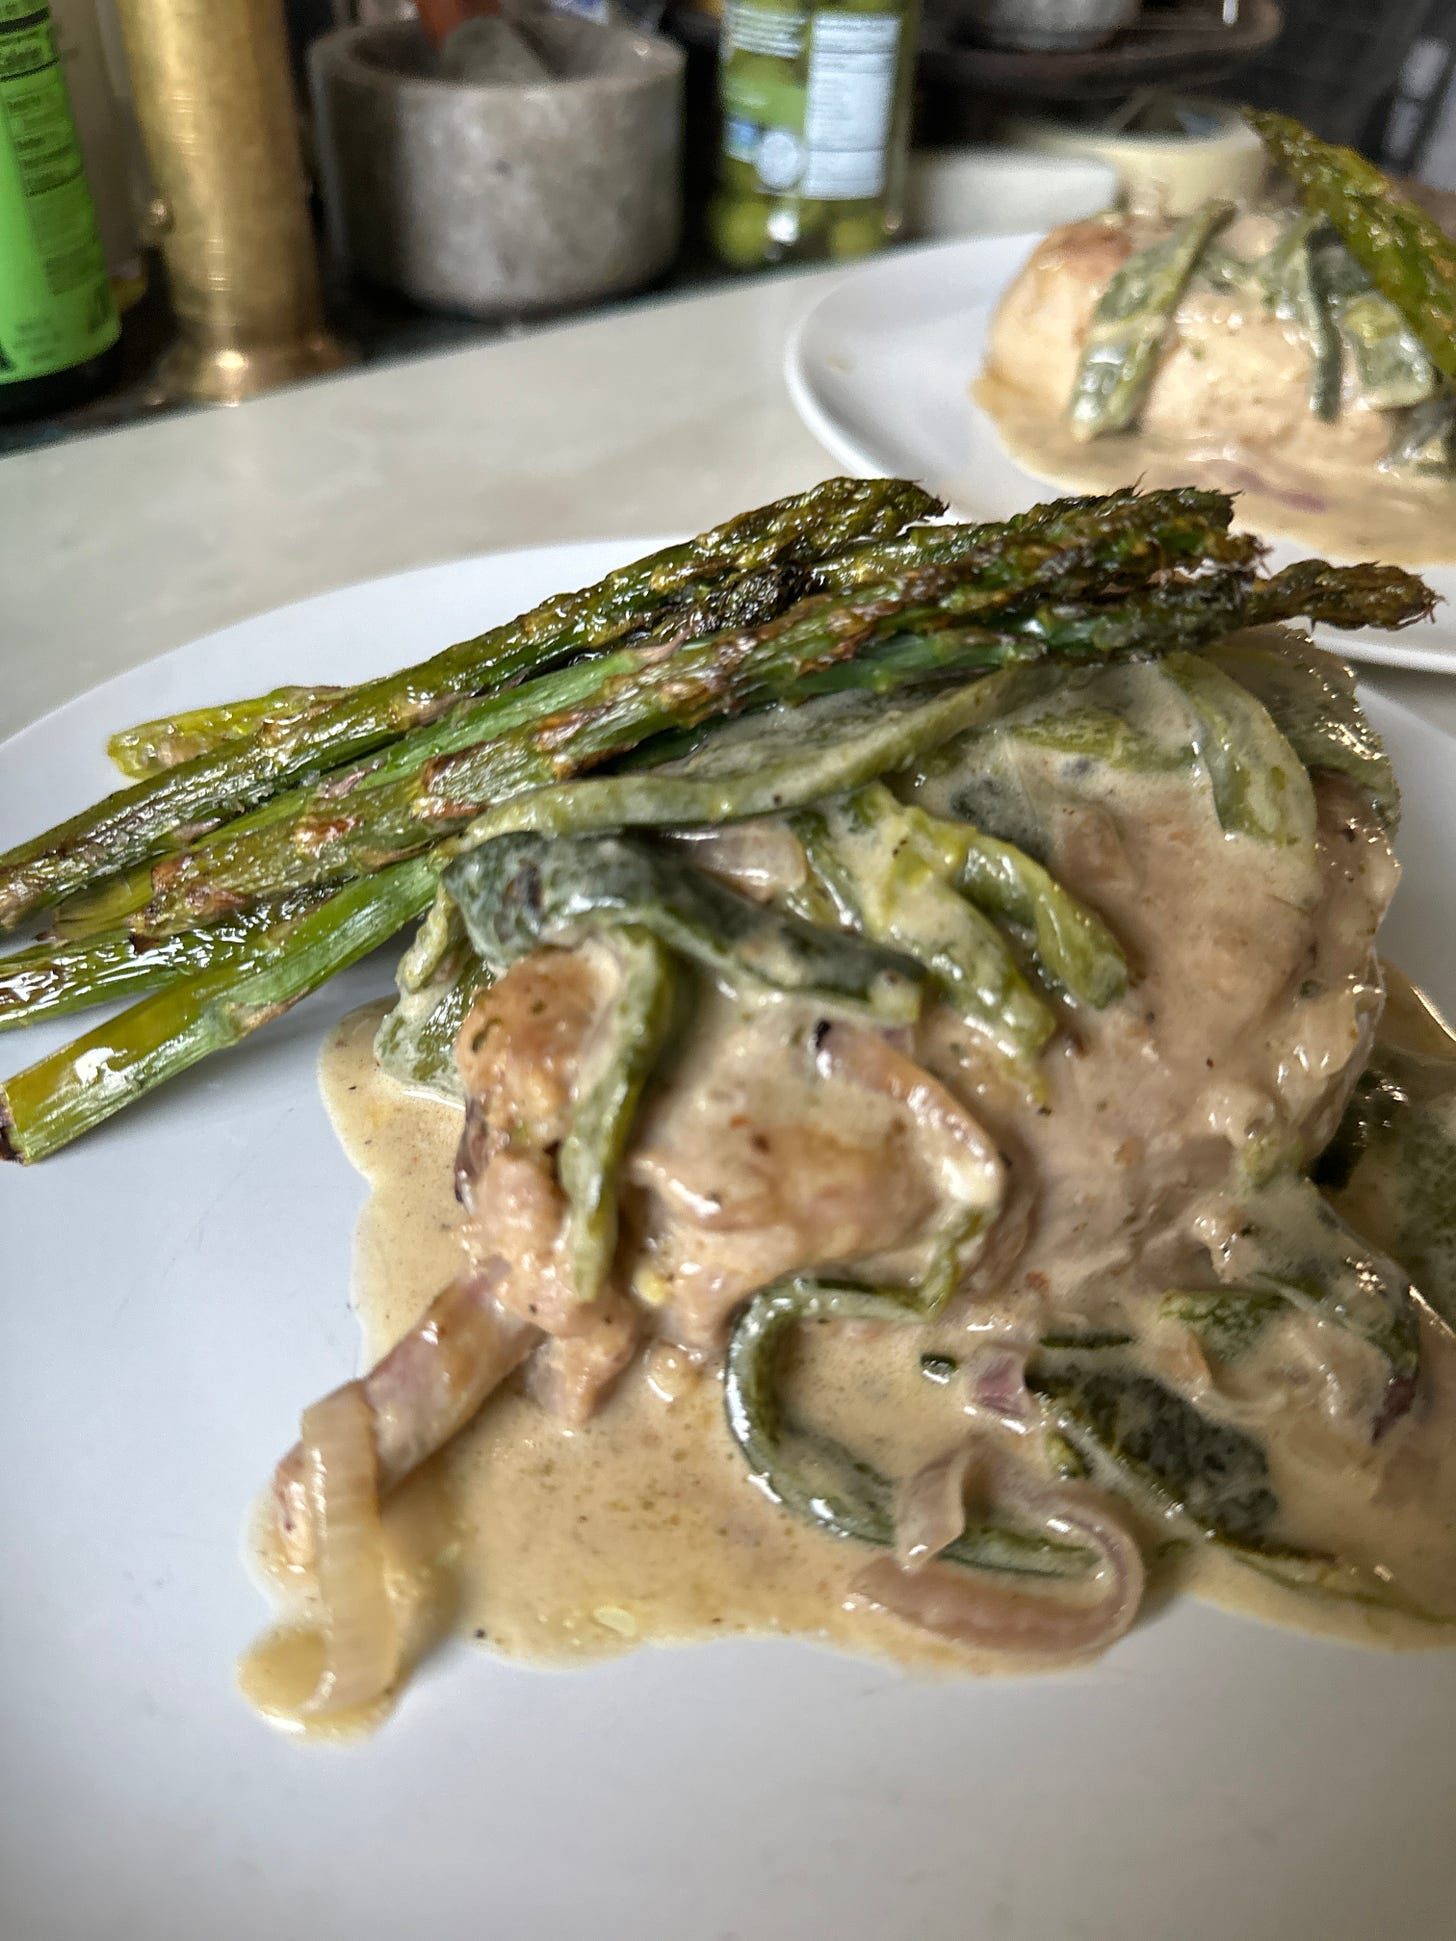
[59, 327]
[816, 111]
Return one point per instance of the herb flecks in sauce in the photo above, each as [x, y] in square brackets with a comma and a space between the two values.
[1107, 1313]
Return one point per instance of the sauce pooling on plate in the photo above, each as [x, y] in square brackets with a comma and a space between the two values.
[1273, 371]
[1342, 510]
[1160, 1336]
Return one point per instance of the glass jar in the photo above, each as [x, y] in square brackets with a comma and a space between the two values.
[816, 114]
[58, 319]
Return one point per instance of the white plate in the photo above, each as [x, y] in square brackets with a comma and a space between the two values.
[1001, 191]
[175, 1288]
[880, 370]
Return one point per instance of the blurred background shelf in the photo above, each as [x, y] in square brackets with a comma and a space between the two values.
[1379, 76]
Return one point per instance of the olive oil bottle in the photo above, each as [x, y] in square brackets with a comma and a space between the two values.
[816, 109]
[59, 329]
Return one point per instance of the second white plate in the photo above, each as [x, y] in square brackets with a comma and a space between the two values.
[880, 371]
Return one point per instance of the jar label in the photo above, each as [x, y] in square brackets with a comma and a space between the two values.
[850, 102]
[56, 303]
[808, 98]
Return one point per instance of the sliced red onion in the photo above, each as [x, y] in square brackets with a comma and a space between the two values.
[429, 1385]
[360, 1634]
[435, 1378]
[972, 1608]
[996, 1381]
[930, 1508]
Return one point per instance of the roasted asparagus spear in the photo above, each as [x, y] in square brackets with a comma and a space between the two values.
[1407, 256]
[140, 822]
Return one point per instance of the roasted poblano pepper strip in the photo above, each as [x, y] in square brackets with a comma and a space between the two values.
[1260, 786]
[438, 940]
[1291, 1243]
[1391, 1168]
[1209, 1476]
[1120, 352]
[890, 878]
[1310, 697]
[817, 1478]
[1229, 1321]
[1424, 441]
[1391, 368]
[53, 980]
[415, 1042]
[1094, 734]
[1000, 777]
[1294, 289]
[619, 1065]
[1009, 776]
[1406, 254]
[1223, 269]
[779, 759]
[1074, 948]
[1340, 274]
[524, 890]
[1140, 1437]
[438, 979]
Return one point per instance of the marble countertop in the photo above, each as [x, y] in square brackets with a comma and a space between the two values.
[121, 545]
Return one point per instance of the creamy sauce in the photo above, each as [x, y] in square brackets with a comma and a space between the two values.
[1227, 408]
[564, 1545]
[1347, 513]
[561, 1545]
[557, 1542]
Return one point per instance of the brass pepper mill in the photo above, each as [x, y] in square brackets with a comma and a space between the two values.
[215, 100]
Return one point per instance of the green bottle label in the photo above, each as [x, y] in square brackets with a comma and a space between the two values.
[56, 302]
[808, 98]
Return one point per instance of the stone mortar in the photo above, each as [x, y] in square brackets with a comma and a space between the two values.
[501, 198]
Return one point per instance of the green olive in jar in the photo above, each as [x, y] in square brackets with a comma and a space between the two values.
[738, 230]
[816, 107]
[856, 234]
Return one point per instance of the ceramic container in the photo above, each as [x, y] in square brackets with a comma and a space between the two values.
[500, 198]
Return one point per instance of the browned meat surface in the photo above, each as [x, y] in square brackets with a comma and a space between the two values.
[573, 1370]
[770, 1157]
[1257, 990]
[1037, 331]
[520, 1046]
[520, 1052]
[1231, 375]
